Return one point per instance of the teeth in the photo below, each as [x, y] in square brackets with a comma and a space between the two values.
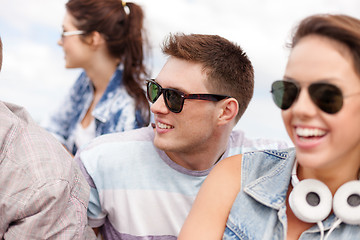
[310, 132]
[163, 126]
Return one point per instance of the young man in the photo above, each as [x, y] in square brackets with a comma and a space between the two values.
[43, 194]
[143, 182]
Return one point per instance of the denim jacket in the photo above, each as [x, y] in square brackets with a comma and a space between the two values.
[115, 112]
[259, 211]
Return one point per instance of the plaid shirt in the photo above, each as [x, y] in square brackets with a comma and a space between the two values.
[43, 194]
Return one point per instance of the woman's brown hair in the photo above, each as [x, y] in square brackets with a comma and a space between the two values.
[121, 24]
[341, 28]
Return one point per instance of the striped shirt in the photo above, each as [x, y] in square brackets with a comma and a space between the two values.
[137, 191]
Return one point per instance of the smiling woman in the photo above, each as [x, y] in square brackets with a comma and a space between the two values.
[302, 192]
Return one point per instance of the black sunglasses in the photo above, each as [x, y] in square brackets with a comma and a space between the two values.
[327, 97]
[174, 99]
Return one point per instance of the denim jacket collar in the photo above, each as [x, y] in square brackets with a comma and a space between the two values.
[102, 110]
[274, 180]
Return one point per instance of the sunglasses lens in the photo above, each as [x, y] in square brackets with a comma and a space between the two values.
[174, 100]
[326, 96]
[284, 93]
[153, 91]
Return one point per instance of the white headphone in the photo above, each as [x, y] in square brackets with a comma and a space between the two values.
[311, 201]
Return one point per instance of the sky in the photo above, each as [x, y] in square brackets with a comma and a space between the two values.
[33, 73]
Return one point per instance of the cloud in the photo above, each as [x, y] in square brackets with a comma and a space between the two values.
[24, 14]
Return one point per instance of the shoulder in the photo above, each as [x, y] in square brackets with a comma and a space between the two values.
[213, 203]
[268, 156]
[74, 101]
[29, 142]
[227, 172]
[80, 86]
[145, 134]
[223, 180]
[10, 125]
[238, 139]
[82, 81]
[123, 143]
[260, 163]
[32, 155]
[253, 158]
[116, 80]
[112, 150]
[231, 164]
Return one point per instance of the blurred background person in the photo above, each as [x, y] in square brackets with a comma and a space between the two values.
[105, 38]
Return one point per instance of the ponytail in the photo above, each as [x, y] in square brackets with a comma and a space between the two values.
[122, 25]
[134, 70]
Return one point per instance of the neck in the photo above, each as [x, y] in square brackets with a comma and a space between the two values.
[333, 177]
[200, 159]
[100, 73]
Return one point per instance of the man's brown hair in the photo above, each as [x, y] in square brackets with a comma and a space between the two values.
[227, 67]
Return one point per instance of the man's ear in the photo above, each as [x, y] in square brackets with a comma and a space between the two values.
[229, 110]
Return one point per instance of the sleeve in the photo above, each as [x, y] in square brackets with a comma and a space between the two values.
[95, 213]
[50, 212]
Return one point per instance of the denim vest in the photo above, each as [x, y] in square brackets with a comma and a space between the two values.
[259, 211]
[115, 112]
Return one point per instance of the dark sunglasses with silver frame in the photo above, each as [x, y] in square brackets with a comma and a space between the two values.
[174, 99]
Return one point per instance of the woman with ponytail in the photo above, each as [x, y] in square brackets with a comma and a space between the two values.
[106, 39]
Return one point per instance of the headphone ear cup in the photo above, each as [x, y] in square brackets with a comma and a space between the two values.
[310, 200]
[346, 202]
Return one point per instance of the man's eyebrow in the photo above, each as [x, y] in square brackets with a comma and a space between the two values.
[180, 89]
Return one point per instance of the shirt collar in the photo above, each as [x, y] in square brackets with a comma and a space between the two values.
[102, 109]
[271, 188]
